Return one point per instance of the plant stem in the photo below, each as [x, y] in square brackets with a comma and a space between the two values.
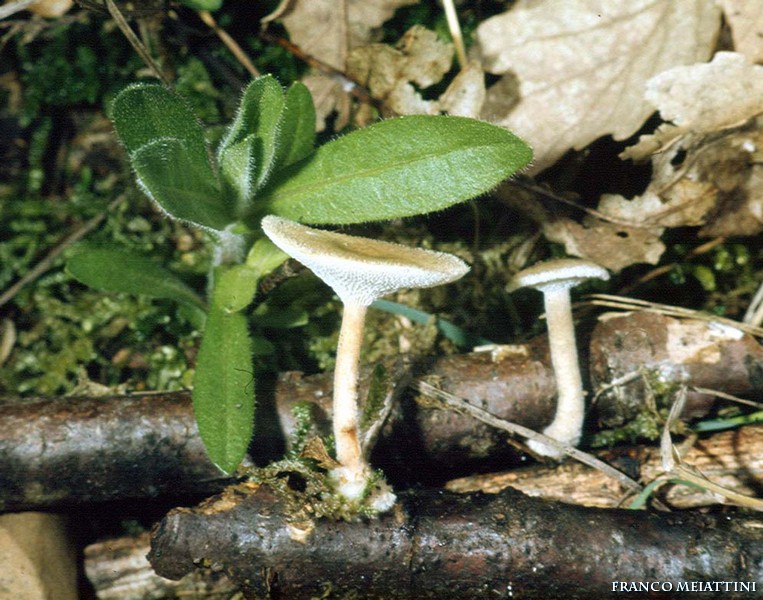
[346, 372]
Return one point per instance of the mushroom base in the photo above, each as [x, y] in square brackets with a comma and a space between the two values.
[363, 488]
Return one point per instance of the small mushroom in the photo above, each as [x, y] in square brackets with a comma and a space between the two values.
[555, 278]
[360, 271]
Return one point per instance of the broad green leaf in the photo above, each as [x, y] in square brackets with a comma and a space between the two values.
[121, 270]
[234, 287]
[223, 388]
[259, 114]
[143, 113]
[297, 134]
[170, 175]
[396, 168]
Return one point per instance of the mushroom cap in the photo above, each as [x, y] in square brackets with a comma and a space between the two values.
[362, 270]
[562, 273]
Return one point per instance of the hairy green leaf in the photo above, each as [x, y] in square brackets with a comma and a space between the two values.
[121, 270]
[396, 168]
[237, 164]
[259, 115]
[297, 135]
[143, 113]
[223, 388]
[169, 153]
[186, 189]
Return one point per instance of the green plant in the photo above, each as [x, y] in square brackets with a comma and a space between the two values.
[265, 164]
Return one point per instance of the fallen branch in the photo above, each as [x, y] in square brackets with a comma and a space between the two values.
[72, 450]
[96, 449]
[441, 545]
[733, 459]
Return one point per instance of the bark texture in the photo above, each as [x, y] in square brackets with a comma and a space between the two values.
[73, 450]
[443, 545]
[96, 449]
[732, 459]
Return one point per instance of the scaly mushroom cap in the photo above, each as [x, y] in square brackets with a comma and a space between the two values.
[557, 274]
[362, 270]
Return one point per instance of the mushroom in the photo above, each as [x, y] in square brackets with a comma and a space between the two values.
[555, 278]
[360, 271]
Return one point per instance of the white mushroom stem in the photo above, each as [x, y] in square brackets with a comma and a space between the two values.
[346, 371]
[360, 271]
[570, 408]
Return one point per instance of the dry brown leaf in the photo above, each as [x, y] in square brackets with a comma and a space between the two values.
[582, 64]
[322, 29]
[465, 95]
[612, 246]
[714, 180]
[745, 18]
[685, 207]
[701, 98]
[615, 244]
[419, 58]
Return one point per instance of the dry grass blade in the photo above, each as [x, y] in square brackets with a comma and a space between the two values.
[12, 8]
[229, 42]
[455, 32]
[675, 469]
[729, 397]
[137, 45]
[462, 406]
[634, 304]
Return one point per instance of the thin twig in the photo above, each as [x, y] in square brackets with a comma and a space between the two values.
[461, 405]
[529, 185]
[142, 51]
[754, 314]
[47, 262]
[663, 269]
[629, 304]
[455, 32]
[229, 42]
[675, 469]
[729, 397]
[348, 84]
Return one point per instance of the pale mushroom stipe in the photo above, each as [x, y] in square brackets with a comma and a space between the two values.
[555, 278]
[360, 271]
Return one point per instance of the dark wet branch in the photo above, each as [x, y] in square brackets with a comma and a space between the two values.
[71, 450]
[442, 545]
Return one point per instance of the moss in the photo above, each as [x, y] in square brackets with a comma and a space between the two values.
[72, 63]
[648, 423]
[308, 494]
[115, 338]
[195, 85]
